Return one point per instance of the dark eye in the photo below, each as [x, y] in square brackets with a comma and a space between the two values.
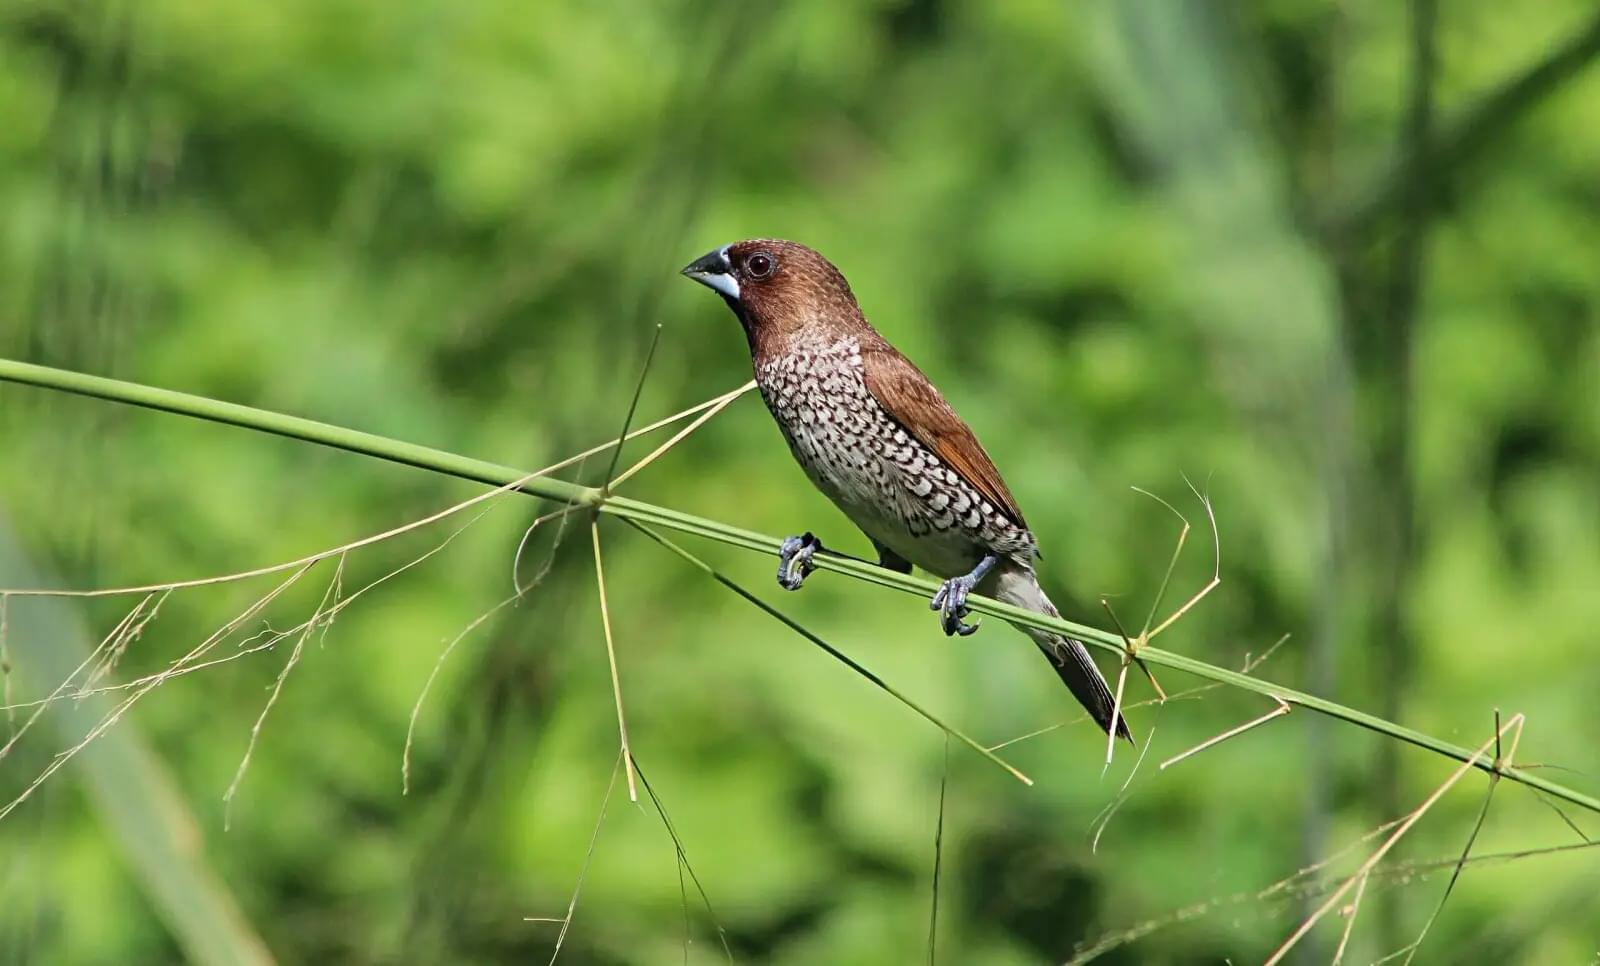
[760, 265]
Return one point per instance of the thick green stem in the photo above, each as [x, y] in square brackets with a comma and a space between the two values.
[294, 427]
[497, 475]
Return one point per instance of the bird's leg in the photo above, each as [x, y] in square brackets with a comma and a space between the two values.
[952, 597]
[794, 560]
[889, 560]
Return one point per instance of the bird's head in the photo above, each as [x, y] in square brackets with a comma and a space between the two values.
[782, 292]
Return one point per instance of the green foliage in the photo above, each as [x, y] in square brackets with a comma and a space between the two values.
[1097, 228]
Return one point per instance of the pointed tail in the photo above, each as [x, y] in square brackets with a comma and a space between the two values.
[1018, 586]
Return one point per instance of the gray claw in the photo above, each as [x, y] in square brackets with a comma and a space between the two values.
[951, 600]
[952, 597]
[794, 560]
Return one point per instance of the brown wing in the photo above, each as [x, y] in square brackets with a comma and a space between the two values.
[907, 395]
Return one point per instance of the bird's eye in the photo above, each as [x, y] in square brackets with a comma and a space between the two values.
[760, 265]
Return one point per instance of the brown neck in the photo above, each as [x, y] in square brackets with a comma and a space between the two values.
[793, 332]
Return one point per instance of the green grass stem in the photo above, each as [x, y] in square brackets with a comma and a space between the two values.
[494, 474]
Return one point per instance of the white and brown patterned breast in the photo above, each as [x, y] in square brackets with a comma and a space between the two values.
[889, 484]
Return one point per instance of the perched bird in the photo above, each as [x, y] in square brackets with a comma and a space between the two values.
[878, 439]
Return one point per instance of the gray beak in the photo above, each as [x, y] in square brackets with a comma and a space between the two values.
[715, 271]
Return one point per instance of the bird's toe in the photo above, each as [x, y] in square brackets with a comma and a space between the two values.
[794, 560]
[951, 602]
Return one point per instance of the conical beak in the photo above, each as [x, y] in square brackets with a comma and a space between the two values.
[715, 271]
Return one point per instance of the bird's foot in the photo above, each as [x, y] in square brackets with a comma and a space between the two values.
[794, 560]
[951, 598]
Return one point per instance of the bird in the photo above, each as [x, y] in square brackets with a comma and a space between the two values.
[880, 441]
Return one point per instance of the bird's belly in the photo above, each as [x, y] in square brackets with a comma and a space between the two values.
[880, 493]
[944, 553]
[873, 495]
[891, 486]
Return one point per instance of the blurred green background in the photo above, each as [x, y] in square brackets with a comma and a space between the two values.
[1335, 262]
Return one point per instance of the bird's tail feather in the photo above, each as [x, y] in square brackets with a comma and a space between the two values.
[1018, 586]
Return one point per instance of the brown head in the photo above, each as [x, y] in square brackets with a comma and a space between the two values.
[783, 293]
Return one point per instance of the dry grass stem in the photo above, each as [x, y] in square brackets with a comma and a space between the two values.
[707, 410]
[1295, 886]
[131, 628]
[646, 430]
[1405, 826]
[247, 647]
[61, 689]
[1122, 678]
[302, 562]
[1466, 850]
[1080, 719]
[1423, 867]
[155, 681]
[1188, 694]
[563, 514]
[102, 661]
[583, 872]
[1172, 562]
[1349, 913]
[416, 708]
[194, 660]
[1116, 711]
[1305, 883]
[387, 534]
[1132, 645]
[722, 403]
[335, 587]
[1216, 570]
[1278, 712]
[1110, 810]
[611, 658]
